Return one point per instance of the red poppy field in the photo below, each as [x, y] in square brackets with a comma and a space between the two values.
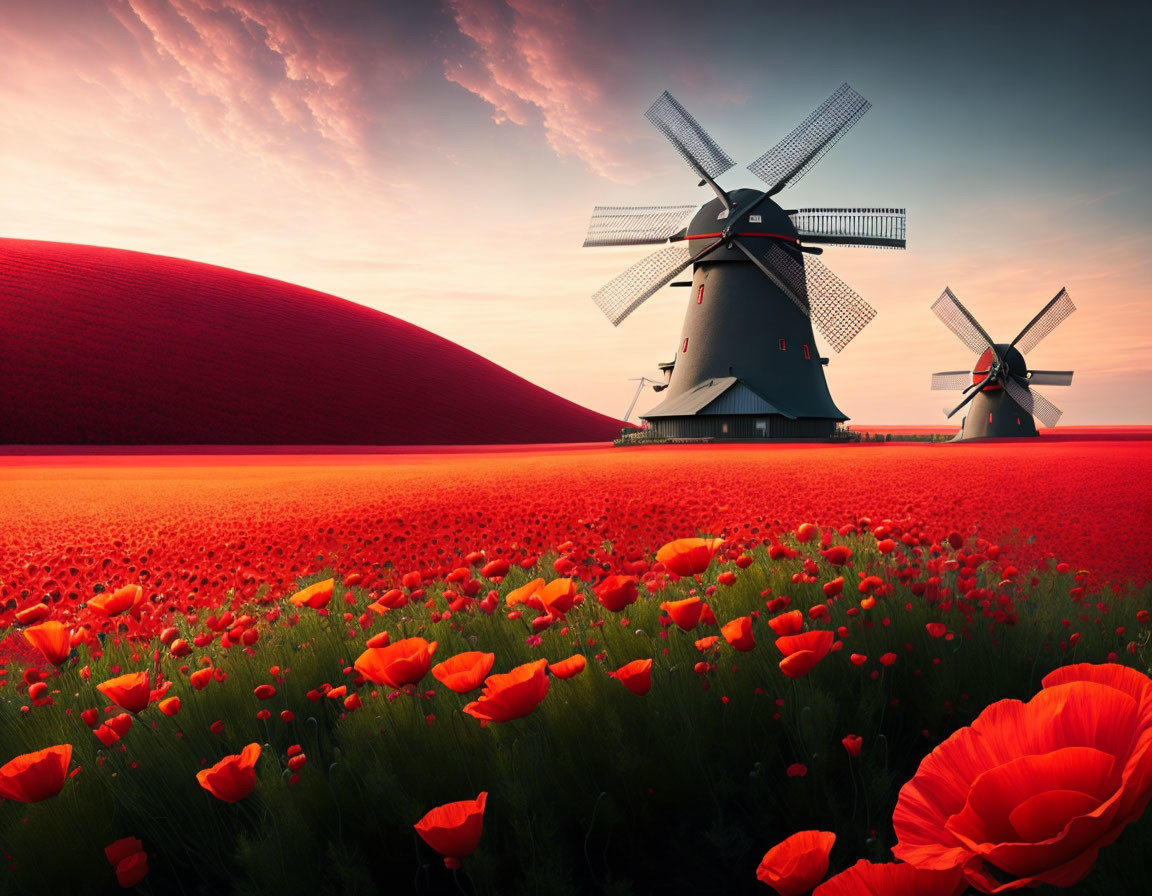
[873, 668]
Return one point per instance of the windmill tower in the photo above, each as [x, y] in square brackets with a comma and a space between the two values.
[746, 363]
[999, 387]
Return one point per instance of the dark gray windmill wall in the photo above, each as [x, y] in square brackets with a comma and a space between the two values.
[993, 414]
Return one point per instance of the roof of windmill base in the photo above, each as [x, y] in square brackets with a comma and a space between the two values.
[110, 347]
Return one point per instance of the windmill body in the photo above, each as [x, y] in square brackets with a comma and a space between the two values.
[746, 364]
[1000, 399]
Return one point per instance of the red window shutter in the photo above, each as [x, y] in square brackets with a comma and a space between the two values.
[782, 345]
[700, 295]
[806, 355]
[685, 345]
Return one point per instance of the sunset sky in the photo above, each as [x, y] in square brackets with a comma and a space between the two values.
[439, 161]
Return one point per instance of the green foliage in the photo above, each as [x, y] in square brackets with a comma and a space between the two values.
[598, 790]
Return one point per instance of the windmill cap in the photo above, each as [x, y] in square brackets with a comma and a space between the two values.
[765, 218]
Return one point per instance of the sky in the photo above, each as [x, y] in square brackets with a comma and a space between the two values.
[438, 160]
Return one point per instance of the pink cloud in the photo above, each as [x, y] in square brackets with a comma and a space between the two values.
[540, 60]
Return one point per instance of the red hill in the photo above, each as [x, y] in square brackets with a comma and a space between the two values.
[109, 347]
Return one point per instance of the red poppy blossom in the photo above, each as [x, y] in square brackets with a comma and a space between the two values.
[738, 633]
[51, 638]
[790, 623]
[116, 602]
[523, 593]
[887, 659]
[853, 743]
[866, 879]
[511, 695]
[170, 706]
[233, 777]
[127, 856]
[454, 829]
[685, 613]
[130, 692]
[316, 595]
[838, 554]
[805, 532]
[1030, 792]
[802, 652]
[464, 672]
[707, 643]
[616, 592]
[936, 629]
[558, 596]
[796, 770]
[688, 556]
[795, 865]
[834, 587]
[403, 662]
[636, 676]
[574, 665]
[32, 777]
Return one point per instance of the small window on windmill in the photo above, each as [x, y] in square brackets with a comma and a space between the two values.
[700, 295]
[782, 345]
[806, 354]
[989, 416]
[685, 348]
[1017, 421]
[724, 428]
[762, 429]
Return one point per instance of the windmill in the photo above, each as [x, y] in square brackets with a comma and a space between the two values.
[746, 364]
[1000, 386]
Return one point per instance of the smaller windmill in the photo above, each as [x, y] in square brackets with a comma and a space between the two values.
[1000, 386]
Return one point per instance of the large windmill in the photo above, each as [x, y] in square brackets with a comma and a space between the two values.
[746, 363]
[999, 387]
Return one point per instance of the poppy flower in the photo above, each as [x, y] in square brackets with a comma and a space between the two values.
[558, 595]
[616, 592]
[837, 555]
[805, 532]
[402, 662]
[317, 595]
[685, 613]
[511, 695]
[852, 743]
[834, 587]
[796, 864]
[32, 777]
[520, 595]
[127, 856]
[688, 556]
[51, 638]
[802, 652]
[233, 777]
[130, 692]
[454, 829]
[116, 602]
[1030, 792]
[636, 676]
[464, 672]
[738, 633]
[574, 665]
[170, 706]
[890, 879]
[790, 623]
[936, 629]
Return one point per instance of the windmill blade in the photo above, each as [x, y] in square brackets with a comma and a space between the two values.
[980, 388]
[950, 380]
[1050, 377]
[1045, 322]
[621, 296]
[836, 310]
[959, 320]
[791, 158]
[880, 228]
[690, 140]
[1033, 403]
[635, 226]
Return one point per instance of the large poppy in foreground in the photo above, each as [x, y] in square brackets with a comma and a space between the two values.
[688, 556]
[403, 662]
[233, 777]
[891, 879]
[51, 638]
[454, 829]
[512, 694]
[32, 777]
[464, 672]
[1030, 792]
